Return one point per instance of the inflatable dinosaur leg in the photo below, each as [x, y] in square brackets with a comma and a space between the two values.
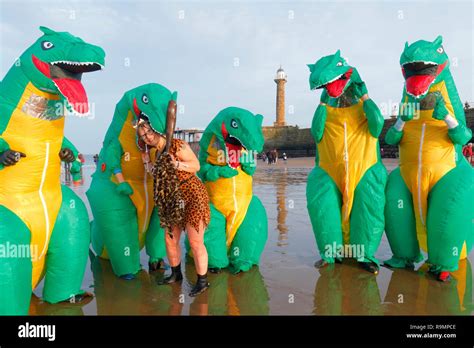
[367, 217]
[68, 250]
[155, 239]
[400, 223]
[324, 208]
[15, 264]
[115, 226]
[214, 240]
[450, 219]
[249, 241]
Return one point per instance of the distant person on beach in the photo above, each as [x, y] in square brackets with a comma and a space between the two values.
[96, 159]
[467, 152]
[284, 156]
[190, 212]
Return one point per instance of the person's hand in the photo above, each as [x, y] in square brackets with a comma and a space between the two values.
[10, 157]
[227, 172]
[124, 188]
[66, 155]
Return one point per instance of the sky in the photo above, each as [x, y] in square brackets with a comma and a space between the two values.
[225, 53]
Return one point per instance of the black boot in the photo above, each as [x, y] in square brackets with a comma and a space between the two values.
[175, 276]
[154, 266]
[370, 267]
[201, 285]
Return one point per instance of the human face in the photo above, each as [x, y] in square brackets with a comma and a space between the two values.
[148, 136]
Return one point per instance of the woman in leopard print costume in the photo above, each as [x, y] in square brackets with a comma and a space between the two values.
[182, 200]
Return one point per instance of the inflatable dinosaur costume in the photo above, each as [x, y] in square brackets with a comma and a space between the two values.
[124, 215]
[345, 190]
[43, 225]
[227, 157]
[429, 197]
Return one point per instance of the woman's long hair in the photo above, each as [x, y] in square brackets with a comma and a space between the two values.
[167, 194]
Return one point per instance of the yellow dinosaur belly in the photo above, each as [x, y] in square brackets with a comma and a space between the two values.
[426, 155]
[31, 188]
[231, 196]
[135, 174]
[346, 151]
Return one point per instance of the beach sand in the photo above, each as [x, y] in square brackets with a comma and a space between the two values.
[286, 282]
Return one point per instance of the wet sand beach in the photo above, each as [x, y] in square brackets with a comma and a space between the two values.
[286, 282]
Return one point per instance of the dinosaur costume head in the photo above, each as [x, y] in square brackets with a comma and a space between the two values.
[237, 130]
[423, 63]
[332, 73]
[150, 103]
[55, 64]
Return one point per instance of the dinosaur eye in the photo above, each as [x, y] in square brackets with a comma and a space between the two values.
[234, 124]
[440, 50]
[46, 45]
[145, 99]
[339, 64]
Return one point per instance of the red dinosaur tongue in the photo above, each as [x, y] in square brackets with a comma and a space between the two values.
[234, 154]
[233, 151]
[74, 92]
[336, 88]
[418, 84]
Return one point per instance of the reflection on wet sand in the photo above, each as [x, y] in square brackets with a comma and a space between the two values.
[286, 272]
[281, 183]
[243, 294]
[38, 307]
[346, 289]
[417, 292]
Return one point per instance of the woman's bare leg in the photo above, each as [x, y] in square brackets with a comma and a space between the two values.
[174, 257]
[196, 241]
[172, 247]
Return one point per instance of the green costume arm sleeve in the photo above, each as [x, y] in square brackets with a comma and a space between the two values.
[460, 134]
[374, 117]
[3, 147]
[319, 121]
[248, 163]
[113, 156]
[210, 172]
[393, 136]
[68, 145]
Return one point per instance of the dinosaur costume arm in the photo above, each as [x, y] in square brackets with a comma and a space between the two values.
[209, 172]
[457, 130]
[371, 110]
[3, 147]
[460, 134]
[76, 165]
[112, 156]
[319, 121]
[395, 133]
[374, 117]
[68, 145]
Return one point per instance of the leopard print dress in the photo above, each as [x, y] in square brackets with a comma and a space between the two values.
[192, 192]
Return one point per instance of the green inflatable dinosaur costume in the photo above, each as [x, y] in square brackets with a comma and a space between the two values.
[345, 190]
[227, 157]
[429, 197]
[124, 215]
[43, 225]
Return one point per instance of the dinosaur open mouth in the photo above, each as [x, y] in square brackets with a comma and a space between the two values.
[67, 75]
[233, 146]
[142, 116]
[420, 75]
[336, 86]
